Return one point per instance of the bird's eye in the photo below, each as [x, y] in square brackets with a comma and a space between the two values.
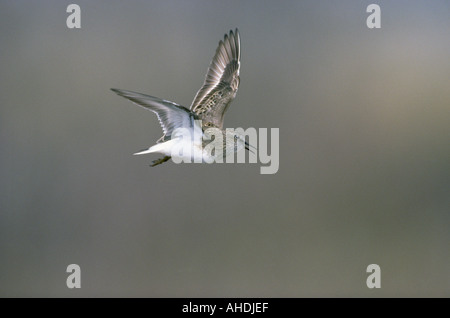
[235, 138]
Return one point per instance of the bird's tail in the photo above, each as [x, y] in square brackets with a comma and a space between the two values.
[143, 152]
[163, 147]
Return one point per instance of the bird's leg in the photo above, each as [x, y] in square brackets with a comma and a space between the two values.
[160, 161]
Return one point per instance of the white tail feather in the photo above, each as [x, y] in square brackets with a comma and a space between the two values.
[149, 150]
[164, 148]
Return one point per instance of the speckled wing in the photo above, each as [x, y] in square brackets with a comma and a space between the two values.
[221, 82]
[170, 115]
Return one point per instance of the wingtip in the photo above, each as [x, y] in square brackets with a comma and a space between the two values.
[231, 34]
[235, 32]
[121, 92]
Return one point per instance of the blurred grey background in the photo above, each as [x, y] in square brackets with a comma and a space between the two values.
[364, 118]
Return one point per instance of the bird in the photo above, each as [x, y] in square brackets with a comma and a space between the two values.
[204, 117]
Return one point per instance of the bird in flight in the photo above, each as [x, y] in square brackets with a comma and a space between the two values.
[206, 112]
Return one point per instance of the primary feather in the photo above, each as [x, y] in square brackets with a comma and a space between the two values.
[221, 82]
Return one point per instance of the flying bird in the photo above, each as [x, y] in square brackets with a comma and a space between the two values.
[206, 112]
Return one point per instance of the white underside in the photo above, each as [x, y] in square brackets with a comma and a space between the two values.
[179, 149]
[185, 145]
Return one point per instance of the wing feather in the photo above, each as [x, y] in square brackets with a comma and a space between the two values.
[170, 115]
[221, 81]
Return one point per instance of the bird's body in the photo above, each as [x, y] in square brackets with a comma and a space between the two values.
[187, 131]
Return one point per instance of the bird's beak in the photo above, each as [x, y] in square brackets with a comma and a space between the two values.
[248, 146]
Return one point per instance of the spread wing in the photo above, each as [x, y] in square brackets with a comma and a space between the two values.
[221, 82]
[170, 115]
